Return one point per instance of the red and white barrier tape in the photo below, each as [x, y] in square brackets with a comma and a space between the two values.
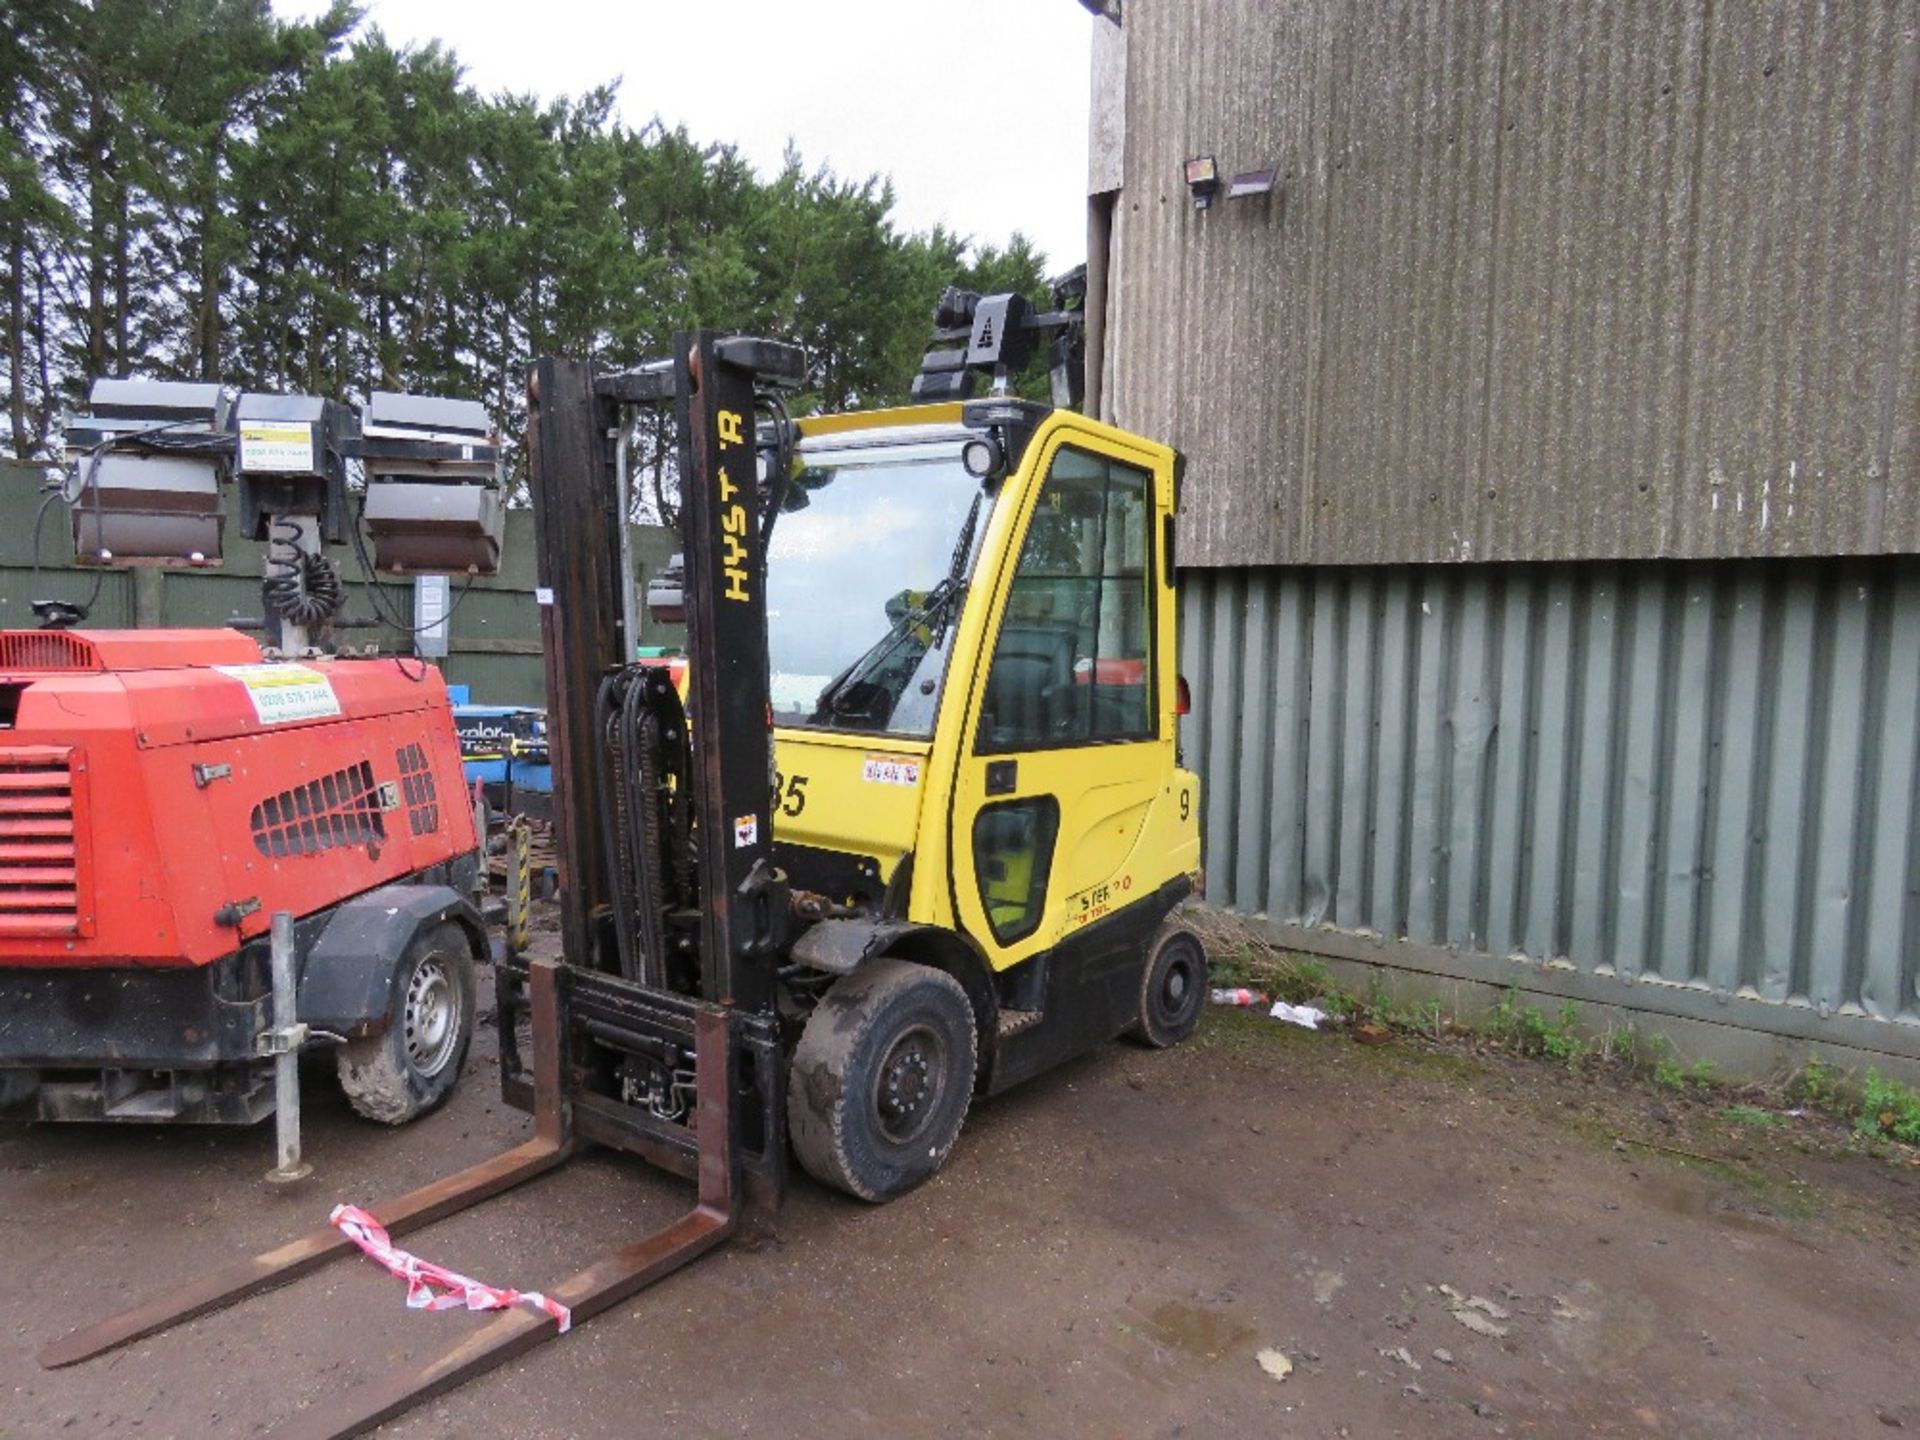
[431, 1286]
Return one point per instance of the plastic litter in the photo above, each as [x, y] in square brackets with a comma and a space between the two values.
[1275, 1363]
[431, 1286]
[1239, 997]
[1305, 1016]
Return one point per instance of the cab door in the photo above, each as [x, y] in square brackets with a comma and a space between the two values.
[1069, 738]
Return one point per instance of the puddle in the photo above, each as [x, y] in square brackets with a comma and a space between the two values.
[1209, 1334]
[1694, 1197]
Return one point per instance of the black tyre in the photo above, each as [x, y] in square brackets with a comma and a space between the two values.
[881, 1079]
[1173, 989]
[402, 1074]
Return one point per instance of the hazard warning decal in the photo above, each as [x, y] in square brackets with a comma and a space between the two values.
[891, 770]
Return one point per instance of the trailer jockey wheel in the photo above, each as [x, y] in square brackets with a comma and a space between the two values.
[881, 1079]
[1173, 989]
[411, 1068]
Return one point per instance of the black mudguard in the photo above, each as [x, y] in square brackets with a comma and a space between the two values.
[346, 975]
[840, 947]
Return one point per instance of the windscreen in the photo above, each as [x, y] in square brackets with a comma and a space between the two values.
[866, 575]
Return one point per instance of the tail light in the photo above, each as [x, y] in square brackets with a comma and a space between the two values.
[1182, 696]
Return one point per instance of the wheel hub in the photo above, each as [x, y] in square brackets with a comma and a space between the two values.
[908, 1084]
[1178, 984]
[431, 1018]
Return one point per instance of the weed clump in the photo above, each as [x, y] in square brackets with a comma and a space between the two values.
[1888, 1108]
[1526, 1029]
[1818, 1087]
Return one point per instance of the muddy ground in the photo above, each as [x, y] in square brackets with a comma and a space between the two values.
[1105, 1255]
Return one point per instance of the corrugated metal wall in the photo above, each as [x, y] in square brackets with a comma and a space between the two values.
[1540, 278]
[1702, 774]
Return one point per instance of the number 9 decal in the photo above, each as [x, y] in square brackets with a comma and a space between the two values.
[1186, 804]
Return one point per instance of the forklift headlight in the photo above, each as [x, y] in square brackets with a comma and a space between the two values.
[983, 457]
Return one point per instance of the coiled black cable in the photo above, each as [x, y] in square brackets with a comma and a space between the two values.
[305, 589]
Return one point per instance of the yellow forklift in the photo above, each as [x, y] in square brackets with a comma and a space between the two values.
[913, 828]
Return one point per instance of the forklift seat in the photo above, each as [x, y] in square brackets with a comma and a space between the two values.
[1031, 679]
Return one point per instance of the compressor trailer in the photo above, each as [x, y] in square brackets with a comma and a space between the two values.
[163, 793]
[917, 831]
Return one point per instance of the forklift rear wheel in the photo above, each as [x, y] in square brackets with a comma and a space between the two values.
[881, 1079]
[411, 1068]
[1172, 990]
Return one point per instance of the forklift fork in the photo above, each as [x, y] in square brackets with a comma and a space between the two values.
[600, 1286]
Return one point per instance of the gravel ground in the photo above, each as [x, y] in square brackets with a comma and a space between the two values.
[1106, 1255]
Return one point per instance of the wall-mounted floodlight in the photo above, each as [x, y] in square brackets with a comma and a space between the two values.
[1249, 184]
[1203, 180]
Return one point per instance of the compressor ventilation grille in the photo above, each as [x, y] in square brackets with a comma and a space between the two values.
[417, 791]
[341, 810]
[39, 850]
[46, 650]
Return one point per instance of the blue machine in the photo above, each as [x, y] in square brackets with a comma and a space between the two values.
[505, 747]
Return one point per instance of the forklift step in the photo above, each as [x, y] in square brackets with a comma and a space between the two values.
[1012, 1022]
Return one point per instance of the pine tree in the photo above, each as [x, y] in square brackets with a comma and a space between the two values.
[306, 206]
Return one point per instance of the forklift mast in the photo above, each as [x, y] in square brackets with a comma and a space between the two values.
[663, 821]
[573, 421]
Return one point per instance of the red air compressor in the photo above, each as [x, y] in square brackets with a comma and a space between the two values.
[162, 794]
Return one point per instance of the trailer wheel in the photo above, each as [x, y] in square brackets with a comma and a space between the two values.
[1173, 990]
[881, 1079]
[405, 1072]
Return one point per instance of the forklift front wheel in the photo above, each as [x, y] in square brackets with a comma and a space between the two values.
[1173, 989]
[412, 1067]
[881, 1079]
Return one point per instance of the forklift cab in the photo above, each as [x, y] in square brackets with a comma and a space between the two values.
[971, 631]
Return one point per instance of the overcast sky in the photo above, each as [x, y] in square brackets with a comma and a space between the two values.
[976, 108]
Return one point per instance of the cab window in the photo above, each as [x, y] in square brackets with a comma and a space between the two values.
[1013, 851]
[1072, 664]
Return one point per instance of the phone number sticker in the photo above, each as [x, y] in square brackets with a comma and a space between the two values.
[285, 692]
[276, 447]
